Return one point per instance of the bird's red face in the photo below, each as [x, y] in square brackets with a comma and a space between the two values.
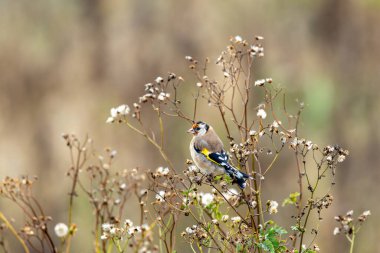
[193, 129]
[198, 128]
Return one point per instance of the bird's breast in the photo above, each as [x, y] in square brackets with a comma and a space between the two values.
[202, 162]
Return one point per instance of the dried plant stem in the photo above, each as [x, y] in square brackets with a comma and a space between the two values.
[236, 211]
[2, 244]
[352, 240]
[300, 200]
[161, 127]
[109, 249]
[76, 167]
[200, 247]
[172, 235]
[51, 243]
[195, 104]
[205, 228]
[219, 228]
[160, 240]
[164, 234]
[303, 228]
[192, 248]
[247, 90]
[68, 245]
[260, 216]
[77, 164]
[154, 143]
[117, 243]
[97, 236]
[271, 164]
[225, 122]
[14, 232]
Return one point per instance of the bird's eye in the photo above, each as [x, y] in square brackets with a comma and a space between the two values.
[197, 128]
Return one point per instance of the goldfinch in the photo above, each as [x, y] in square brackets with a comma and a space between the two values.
[208, 154]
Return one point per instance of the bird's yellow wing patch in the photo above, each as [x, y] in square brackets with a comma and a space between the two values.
[207, 153]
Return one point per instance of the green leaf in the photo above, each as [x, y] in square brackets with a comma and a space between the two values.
[297, 228]
[294, 228]
[309, 251]
[273, 235]
[186, 192]
[272, 238]
[292, 199]
[218, 215]
[227, 179]
[218, 178]
[239, 247]
[279, 230]
[267, 246]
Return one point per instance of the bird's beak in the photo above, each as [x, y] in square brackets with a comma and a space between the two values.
[191, 131]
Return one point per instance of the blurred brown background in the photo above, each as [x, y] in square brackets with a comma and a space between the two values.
[63, 64]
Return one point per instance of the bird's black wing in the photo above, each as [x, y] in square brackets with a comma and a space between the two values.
[221, 159]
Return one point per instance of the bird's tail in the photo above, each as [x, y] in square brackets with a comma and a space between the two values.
[237, 176]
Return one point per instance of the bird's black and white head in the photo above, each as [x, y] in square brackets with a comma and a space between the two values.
[199, 128]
